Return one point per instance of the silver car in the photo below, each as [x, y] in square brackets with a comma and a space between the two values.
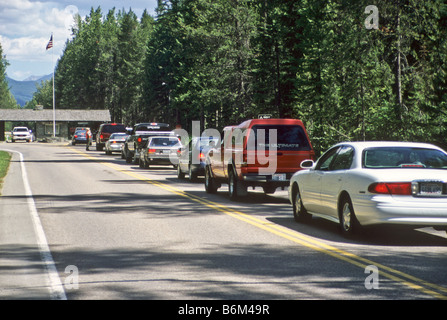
[161, 150]
[115, 142]
[367, 183]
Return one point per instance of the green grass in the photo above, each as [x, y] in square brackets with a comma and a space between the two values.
[5, 157]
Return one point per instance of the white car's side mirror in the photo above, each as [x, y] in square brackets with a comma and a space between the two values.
[307, 164]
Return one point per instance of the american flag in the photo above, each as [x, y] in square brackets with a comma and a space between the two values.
[50, 43]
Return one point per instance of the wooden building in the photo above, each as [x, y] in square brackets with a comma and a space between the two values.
[40, 121]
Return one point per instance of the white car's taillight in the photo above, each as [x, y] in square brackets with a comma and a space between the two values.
[393, 188]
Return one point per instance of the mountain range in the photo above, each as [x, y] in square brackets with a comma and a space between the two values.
[23, 90]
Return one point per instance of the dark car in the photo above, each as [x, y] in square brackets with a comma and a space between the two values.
[138, 137]
[104, 132]
[80, 136]
[161, 150]
[192, 157]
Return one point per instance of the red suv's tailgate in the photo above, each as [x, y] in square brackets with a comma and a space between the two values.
[279, 146]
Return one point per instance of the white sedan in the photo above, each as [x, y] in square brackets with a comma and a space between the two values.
[366, 183]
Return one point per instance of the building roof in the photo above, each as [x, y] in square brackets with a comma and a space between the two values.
[47, 115]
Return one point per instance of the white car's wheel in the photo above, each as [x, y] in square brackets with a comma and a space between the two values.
[348, 221]
[300, 213]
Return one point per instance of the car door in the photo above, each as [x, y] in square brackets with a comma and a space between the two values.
[333, 179]
[311, 185]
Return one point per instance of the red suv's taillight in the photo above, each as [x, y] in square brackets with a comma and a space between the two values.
[394, 188]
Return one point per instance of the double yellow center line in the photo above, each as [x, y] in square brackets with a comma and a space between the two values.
[410, 281]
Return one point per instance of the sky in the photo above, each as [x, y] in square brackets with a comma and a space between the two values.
[26, 27]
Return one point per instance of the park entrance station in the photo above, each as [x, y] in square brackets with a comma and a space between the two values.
[40, 121]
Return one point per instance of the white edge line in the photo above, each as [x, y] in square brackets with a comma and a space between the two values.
[56, 288]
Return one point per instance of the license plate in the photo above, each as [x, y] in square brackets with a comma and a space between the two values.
[430, 189]
[279, 177]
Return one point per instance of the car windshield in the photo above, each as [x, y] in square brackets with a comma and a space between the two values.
[404, 157]
[165, 142]
[288, 138]
[20, 130]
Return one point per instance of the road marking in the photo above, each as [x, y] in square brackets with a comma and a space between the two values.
[56, 288]
[294, 236]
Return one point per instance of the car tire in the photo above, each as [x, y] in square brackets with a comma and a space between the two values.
[348, 222]
[300, 213]
[269, 189]
[192, 175]
[210, 182]
[128, 156]
[236, 188]
[180, 173]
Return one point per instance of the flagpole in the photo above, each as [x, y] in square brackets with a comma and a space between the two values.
[54, 104]
[50, 46]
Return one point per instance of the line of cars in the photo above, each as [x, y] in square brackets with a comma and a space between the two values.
[354, 184]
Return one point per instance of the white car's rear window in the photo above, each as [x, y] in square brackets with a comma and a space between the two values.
[404, 157]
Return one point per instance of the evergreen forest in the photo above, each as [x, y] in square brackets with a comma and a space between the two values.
[348, 72]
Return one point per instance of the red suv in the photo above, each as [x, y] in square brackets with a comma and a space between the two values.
[258, 152]
[104, 132]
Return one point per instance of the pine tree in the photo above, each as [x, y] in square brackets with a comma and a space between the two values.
[43, 96]
[7, 100]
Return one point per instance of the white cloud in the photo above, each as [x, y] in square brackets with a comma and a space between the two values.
[26, 27]
[24, 48]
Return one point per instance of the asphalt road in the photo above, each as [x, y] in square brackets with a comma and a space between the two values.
[104, 229]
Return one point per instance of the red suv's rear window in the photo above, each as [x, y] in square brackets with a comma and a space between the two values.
[112, 128]
[288, 138]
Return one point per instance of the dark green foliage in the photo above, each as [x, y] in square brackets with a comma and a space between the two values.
[223, 61]
[103, 64]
